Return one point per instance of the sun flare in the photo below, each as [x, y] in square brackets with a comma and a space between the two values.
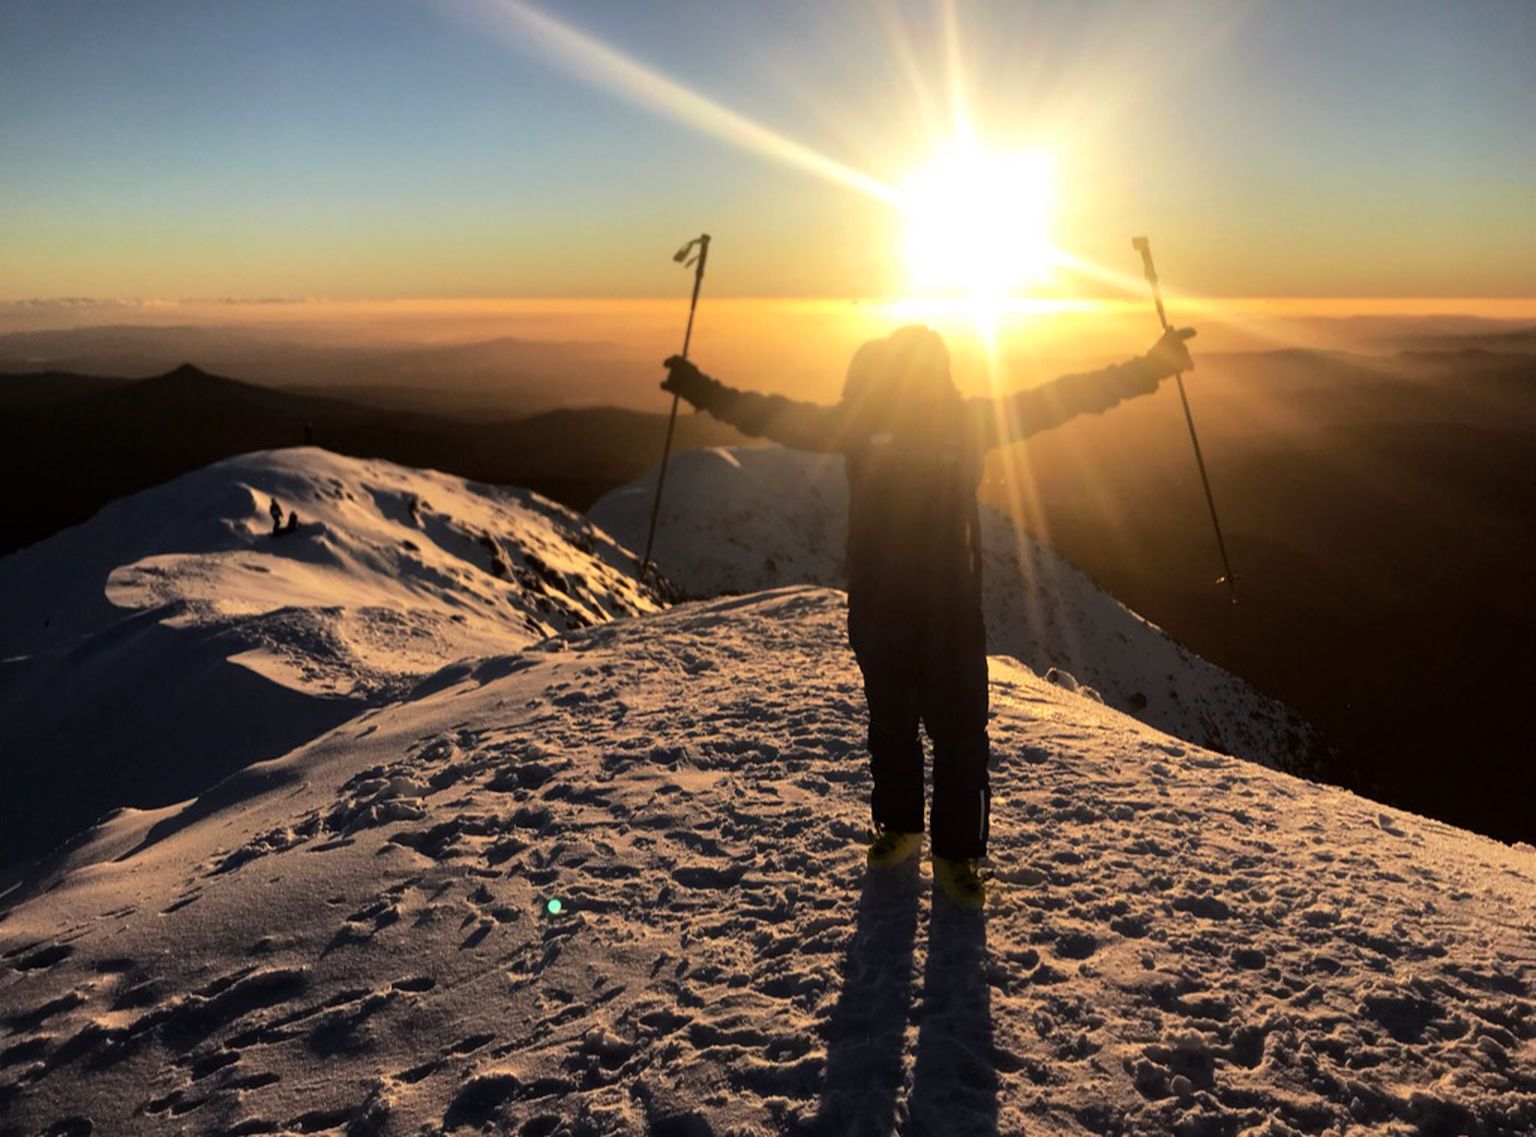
[978, 222]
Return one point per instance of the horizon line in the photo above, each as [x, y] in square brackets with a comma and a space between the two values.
[1419, 304]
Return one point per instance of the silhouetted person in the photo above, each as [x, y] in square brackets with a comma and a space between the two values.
[913, 450]
[293, 522]
[276, 511]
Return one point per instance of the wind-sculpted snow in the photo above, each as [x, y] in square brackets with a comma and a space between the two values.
[174, 638]
[360, 937]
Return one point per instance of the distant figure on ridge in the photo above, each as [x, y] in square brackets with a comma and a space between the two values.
[276, 511]
[913, 450]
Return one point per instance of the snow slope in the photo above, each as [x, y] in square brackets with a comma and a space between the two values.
[172, 639]
[741, 519]
[357, 938]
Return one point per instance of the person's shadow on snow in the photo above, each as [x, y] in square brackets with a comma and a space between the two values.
[866, 1032]
[954, 1084]
[954, 1075]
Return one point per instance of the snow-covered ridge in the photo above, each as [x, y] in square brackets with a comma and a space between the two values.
[428, 567]
[743, 519]
[358, 938]
[173, 638]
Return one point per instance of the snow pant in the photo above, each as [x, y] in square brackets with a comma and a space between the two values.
[928, 668]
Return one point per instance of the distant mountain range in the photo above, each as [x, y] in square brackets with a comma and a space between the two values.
[77, 442]
[501, 376]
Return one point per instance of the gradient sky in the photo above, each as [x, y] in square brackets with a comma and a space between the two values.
[376, 148]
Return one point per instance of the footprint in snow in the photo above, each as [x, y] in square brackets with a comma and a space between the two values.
[42, 958]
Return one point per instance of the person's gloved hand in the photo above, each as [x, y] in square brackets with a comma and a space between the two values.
[686, 381]
[1169, 356]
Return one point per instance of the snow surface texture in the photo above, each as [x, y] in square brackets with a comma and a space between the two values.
[172, 639]
[742, 519]
[358, 939]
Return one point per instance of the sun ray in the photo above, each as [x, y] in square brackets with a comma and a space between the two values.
[516, 23]
[1018, 480]
[905, 54]
[1184, 308]
[954, 58]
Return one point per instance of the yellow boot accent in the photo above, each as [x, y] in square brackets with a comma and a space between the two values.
[961, 881]
[889, 847]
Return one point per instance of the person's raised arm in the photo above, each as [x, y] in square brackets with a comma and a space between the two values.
[1012, 417]
[803, 426]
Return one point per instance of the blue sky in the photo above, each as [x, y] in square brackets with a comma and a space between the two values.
[399, 147]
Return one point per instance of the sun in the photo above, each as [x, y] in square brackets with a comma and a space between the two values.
[978, 222]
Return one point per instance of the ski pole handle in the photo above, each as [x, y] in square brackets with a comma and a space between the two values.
[702, 241]
[1144, 247]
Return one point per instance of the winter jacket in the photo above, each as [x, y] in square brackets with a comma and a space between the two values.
[913, 530]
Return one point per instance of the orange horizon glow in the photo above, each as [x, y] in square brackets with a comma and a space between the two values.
[798, 347]
[1490, 307]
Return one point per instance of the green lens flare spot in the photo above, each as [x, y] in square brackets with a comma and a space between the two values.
[554, 907]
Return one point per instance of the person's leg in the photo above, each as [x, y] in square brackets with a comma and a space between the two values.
[884, 650]
[953, 702]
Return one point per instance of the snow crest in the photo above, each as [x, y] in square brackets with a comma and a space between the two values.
[614, 884]
[174, 638]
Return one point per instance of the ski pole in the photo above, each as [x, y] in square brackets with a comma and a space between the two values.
[1144, 247]
[700, 242]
